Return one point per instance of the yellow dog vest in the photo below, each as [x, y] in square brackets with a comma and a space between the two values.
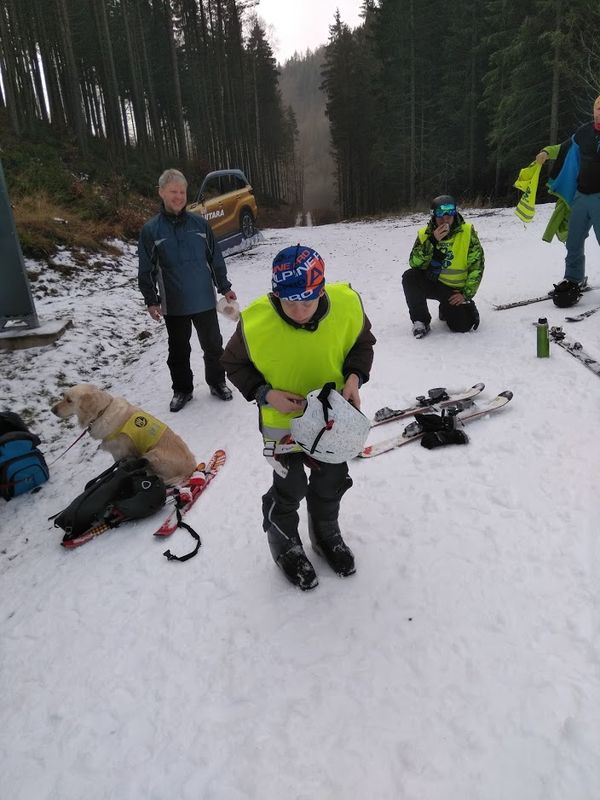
[143, 429]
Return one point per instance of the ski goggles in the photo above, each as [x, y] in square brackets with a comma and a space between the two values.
[445, 210]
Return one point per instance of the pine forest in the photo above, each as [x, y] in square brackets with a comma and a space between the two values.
[188, 83]
[419, 99]
[428, 98]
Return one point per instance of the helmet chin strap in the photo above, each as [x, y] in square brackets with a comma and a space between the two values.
[327, 427]
[323, 398]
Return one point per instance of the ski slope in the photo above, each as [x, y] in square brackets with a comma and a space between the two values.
[461, 662]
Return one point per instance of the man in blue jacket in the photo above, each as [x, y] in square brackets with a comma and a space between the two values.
[180, 263]
[576, 179]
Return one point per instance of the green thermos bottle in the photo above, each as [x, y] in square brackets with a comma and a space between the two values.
[543, 339]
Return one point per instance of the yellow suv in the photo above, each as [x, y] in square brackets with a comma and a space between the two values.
[226, 200]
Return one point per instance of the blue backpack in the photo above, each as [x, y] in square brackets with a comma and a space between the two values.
[22, 466]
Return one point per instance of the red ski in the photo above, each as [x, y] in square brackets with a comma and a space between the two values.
[90, 534]
[185, 496]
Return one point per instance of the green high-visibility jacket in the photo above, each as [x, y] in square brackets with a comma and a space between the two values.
[462, 257]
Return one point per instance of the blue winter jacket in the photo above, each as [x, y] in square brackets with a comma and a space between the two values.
[180, 263]
[564, 183]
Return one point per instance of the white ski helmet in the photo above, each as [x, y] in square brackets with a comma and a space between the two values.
[331, 429]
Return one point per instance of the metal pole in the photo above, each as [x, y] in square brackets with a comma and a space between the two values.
[17, 309]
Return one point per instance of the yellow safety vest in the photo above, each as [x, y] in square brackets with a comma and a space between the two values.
[455, 251]
[298, 360]
[143, 429]
[527, 182]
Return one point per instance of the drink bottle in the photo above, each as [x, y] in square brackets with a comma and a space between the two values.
[543, 339]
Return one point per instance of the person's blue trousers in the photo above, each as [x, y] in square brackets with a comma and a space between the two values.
[585, 214]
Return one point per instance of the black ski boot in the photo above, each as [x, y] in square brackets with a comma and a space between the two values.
[297, 568]
[326, 540]
[291, 559]
[567, 293]
[179, 400]
[222, 391]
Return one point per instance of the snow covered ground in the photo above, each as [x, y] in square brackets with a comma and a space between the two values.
[461, 662]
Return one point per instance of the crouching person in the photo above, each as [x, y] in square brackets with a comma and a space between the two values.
[289, 343]
[446, 264]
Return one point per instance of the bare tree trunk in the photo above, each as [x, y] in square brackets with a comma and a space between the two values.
[209, 110]
[256, 116]
[71, 77]
[555, 76]
[8, 72]
[178, 120]
[413, 110]
[472, 127]
[47, 43]
[29, 32]
[112, 102]
[156, 127]
[137, 93]
[26, 98]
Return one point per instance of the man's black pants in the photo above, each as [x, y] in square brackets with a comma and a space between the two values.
[419, 287]
[179, 330]
[323, 489]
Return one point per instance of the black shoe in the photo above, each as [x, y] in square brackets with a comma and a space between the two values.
[179, 400]
[222, 391]
[297, 568]
[327, 541]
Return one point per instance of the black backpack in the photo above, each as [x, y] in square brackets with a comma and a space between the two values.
[127, 490]
[22, 466]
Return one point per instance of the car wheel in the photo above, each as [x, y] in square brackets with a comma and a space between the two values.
[247, 226]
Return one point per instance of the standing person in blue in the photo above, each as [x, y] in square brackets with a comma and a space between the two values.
[288, 343]
[446, 264]
[575, 178]
[180, 263]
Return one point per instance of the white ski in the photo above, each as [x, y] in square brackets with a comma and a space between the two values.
[437, 399]
[583, 315]
[468, 414]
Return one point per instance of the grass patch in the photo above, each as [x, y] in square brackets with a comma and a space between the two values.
[43, 226]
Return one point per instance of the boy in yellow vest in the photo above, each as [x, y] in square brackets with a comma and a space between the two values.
[288, 343]
[446, 264]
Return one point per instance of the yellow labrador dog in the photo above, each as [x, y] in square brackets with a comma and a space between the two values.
[126, 430]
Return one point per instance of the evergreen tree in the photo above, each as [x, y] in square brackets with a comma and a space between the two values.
[167, 79]
[345, 85]
[532, 88]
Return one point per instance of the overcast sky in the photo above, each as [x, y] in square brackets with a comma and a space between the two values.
[298, 25]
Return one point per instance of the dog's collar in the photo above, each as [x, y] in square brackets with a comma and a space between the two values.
[98, 415]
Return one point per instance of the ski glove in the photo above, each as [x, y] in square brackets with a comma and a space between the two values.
[441, 438]
[439, 430]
